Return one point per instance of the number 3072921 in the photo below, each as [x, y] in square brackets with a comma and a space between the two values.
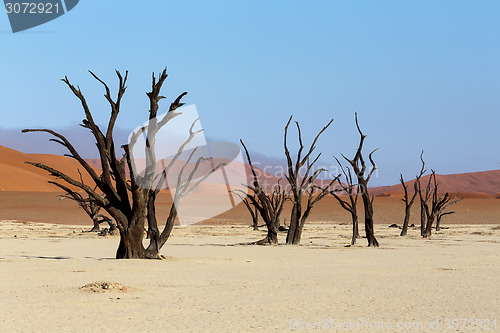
[31, 8]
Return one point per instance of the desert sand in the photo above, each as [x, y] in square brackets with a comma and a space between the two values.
[211, 283]
[57, 277]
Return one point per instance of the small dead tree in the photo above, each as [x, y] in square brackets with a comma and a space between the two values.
[424, 196]
[351, 190]
[302, 184]
[269, 205]
[89, 206]
[451, 201]
[254, 212]
[359, 167]
[436, 204]
[409, 201]
[130, 202]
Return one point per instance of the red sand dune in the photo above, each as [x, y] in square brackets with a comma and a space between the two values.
[16, 175]
[475, 184]
[22, 196]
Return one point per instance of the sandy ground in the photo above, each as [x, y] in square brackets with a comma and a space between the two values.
[209, 283]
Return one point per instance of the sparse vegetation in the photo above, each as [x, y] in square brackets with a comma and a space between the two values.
[303, 184]
[130, 202]
[360, 170]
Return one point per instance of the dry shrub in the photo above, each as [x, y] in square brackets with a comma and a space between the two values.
[103, 286]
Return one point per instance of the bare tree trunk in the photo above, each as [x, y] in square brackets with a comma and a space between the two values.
[295, 230]
[131, 246]
[423, 219]
[438, 222]
[351, 206]
[406, 221]
[409, 202]
[355, 228]
[300, 184]
[255, 219]
[272, 232]
[359, 166]
[158, 240]
[428, 228]
[96, 222]
[369, 230]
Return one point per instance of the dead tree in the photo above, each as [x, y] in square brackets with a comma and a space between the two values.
[409, 201]
[359, 167]
[443, 212]
[302, 184]
[254, 212]
[130, 202]
[89, 206]
[350, 189]
[269, 205]
[436, 204]
[424, 196]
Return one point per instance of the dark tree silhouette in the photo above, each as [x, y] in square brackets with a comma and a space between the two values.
[359, 167]
[409, 201]
[130, 202]
[302, 184]
[424, 196]
[443, 212]
[269, 205]
[89, 206]
[351, 190]
[436, 205]
[247, 201]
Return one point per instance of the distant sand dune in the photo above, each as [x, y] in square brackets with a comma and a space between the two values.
[16, 175]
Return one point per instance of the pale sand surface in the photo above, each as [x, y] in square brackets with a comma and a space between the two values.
[208, 283]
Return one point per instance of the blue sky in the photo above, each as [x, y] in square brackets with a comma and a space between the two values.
[421, 74]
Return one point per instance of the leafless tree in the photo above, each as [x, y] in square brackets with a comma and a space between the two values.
[451, 201]
[302, 184]
[128, 201]
[425, 195]
[351, 190]
[247, 201]
[432, 203]
[359, 167]
[269, 205]
[409, 201]
[89, 206]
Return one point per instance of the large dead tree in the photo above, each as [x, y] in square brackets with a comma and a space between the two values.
[350, 189]
[269, 205]
[130, 202]
[407, 200]
[360, 170]
[303, 184]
